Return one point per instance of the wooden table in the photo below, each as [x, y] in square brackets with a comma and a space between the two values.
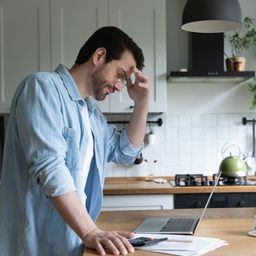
[230, 224]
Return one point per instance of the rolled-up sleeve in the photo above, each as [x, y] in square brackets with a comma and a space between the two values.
[120, 148]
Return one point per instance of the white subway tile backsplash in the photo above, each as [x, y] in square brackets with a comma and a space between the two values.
[197, 120]
[137, 170]
[210, 146]
[235, 119]
[197, 132]
[184, 146]
[210, 120]
[172, 133]
[172, 146]
[223, 132]
[210, 132]
[238, 131]
[118, 170]
[197, 146]
[223, 119]
[172, 158]
[171, 120]
[184, 133]
[182, 169]
[184, 120]
[189, 143]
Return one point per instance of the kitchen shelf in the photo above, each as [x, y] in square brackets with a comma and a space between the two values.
[220, 77]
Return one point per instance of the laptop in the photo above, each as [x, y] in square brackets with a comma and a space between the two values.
[174, 225]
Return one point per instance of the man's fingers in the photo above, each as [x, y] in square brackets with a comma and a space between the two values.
[127, 244]
[114, 245]
[113, 242]
[99, 249]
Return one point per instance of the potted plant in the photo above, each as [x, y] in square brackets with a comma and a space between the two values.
[240, 40]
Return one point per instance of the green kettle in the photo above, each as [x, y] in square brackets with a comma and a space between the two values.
[232, 165]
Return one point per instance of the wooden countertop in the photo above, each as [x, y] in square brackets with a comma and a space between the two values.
[229, 224]
[145, 186]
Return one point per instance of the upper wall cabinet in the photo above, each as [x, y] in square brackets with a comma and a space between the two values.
[37, 35]
[144, 21]
[72, 23]
[24, 44]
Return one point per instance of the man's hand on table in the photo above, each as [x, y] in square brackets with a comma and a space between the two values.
[115, 242]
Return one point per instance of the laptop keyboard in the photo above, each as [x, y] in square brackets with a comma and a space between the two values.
[179, 224]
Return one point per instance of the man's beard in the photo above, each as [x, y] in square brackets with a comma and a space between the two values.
[101, 88]
[100, 92]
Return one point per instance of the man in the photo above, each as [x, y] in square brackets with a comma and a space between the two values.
[57, 145]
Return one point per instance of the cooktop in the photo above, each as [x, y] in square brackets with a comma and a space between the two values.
[186, 180]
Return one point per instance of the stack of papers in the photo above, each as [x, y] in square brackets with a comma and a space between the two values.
[183, 245]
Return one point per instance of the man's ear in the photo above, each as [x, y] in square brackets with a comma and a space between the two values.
[99, 56]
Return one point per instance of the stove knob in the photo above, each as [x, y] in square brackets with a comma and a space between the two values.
[203, 183]
[212, 182]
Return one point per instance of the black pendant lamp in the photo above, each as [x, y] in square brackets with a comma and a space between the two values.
[211, 16]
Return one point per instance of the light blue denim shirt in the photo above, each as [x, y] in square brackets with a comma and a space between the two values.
[43, 156]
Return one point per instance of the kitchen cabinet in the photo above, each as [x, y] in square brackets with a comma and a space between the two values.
[72, 23]
[144, 21]
[218, 200]
[38, 35]
[24, 44]
[137, 202]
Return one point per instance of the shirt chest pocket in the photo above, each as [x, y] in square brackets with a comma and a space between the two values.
[73, 154]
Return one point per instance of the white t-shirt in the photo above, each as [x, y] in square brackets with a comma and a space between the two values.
[89, 149]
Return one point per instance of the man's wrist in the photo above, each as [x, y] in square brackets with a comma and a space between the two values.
[91, 231]
[142, 105]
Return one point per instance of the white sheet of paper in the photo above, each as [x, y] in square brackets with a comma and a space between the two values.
[183, 245]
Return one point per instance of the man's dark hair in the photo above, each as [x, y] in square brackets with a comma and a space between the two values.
[115, 41]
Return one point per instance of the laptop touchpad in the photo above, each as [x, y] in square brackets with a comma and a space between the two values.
[152, 224]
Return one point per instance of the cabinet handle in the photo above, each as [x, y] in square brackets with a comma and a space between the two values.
[241, 203]
[198, 204]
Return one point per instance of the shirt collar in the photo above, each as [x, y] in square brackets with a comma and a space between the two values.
[72, 89]
[69, 83]
[90, 104]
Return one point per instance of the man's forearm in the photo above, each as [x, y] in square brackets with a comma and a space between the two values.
[74, 214]
[139, 93]
[137, 125]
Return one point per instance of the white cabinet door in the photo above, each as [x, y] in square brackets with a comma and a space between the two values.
[144, 21]
[72, 23]
[24, 44]
[137, 202]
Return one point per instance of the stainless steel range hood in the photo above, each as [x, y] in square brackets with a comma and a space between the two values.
[206, 61]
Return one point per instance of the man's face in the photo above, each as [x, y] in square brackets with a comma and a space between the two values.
[112, 76]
